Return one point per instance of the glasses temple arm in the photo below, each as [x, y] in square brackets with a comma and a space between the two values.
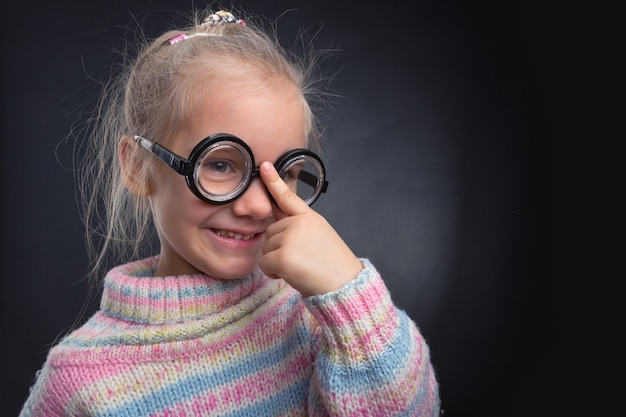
[311, 180]
[176, 162]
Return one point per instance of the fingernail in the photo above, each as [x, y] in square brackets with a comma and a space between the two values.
[266, 166]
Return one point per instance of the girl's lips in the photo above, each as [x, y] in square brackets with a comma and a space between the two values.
[234, 235]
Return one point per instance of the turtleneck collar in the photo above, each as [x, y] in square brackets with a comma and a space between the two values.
[132, 293]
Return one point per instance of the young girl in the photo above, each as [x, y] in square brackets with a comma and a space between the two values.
[254, 305]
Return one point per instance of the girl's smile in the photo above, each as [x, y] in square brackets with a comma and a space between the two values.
[236, 240]
[235, 235]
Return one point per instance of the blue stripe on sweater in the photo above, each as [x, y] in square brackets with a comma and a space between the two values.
[387, 367]
[279, 404]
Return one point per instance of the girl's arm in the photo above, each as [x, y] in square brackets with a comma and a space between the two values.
[373, 361]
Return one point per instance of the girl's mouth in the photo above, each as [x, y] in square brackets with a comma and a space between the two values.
[233, 235]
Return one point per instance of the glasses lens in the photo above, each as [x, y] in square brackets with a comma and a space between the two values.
[222, 171]
[304, 175]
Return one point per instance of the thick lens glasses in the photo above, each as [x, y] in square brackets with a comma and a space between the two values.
[221, 168]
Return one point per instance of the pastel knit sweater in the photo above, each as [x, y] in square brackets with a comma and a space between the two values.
[198, 346]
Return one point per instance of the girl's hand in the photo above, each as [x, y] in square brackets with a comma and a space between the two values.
[302, 247]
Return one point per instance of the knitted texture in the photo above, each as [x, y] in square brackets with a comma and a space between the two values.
[199, 346]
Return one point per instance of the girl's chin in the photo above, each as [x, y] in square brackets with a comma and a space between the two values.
[236, 270]
[233, 277]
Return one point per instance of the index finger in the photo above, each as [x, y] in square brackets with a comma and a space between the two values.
[285, 198]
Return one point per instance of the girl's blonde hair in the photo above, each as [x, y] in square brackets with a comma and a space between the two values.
[150, 96]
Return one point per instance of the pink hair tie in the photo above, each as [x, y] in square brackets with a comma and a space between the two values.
[178, 38]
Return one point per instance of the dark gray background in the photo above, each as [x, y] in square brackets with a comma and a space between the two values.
[439, 155]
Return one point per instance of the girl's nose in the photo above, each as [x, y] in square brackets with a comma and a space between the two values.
[255, 202]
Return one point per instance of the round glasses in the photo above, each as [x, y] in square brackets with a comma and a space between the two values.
[221, 167]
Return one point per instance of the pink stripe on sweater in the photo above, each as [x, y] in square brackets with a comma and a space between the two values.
[363, 303]
[362, 346]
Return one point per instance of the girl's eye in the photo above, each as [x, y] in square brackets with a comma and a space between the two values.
[219, 166]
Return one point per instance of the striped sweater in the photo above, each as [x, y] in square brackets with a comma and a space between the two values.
[198, 346]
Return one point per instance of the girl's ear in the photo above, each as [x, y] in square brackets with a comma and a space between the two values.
[131, 168]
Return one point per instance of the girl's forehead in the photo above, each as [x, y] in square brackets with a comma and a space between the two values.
[269, 114]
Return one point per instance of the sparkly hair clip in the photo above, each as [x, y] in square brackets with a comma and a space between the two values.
[221, 17]
[215, 19]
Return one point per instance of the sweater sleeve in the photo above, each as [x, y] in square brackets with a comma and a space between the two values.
[47, 394]
[373, 360]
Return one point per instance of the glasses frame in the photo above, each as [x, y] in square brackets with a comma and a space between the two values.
[187, 166]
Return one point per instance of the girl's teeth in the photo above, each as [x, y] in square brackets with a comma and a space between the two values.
[233, 235]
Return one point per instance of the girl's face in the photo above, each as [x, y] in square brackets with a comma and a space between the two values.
[224, 241]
